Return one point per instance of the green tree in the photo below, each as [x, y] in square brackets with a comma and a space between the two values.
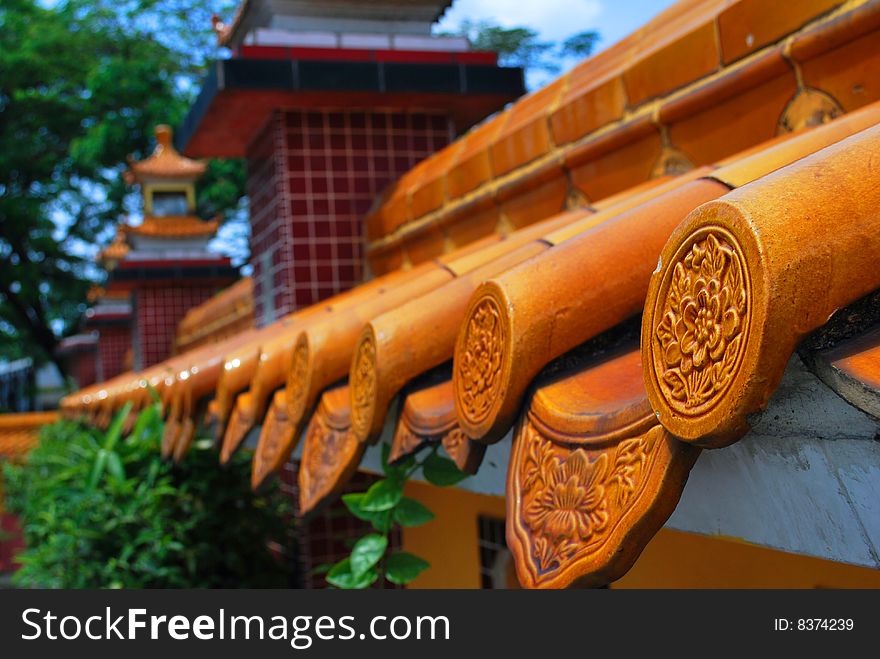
[521, 46]
[82, 84]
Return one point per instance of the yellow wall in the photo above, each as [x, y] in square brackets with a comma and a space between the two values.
[449, 542]
[684, 560]
[671, 560]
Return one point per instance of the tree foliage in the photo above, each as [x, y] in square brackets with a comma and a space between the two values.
[82, 84]
[521, 46]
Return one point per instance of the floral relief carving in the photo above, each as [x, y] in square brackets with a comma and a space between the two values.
[700, 338]
[363, 385]
[480, 365]
[570, 497]
[455, 441]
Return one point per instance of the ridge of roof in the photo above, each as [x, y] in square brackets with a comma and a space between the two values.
[523, 302]
[775, 61]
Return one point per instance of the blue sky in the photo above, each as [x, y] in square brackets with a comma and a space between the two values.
[555, 20]
[558, 19]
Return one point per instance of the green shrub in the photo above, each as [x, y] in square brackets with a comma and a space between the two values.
[105, 511]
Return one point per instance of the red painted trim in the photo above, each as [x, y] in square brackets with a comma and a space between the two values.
[483, 57]
[265, 52]
[332, 54]
[415, 57]
[172, 263]
[480, 57]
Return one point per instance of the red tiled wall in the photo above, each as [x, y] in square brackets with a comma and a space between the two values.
[84, 368]
[157, 311]
[328, 537]
[113, 343]
[13, 544]
[312, 176]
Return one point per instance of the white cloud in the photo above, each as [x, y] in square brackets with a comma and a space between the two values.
[554, 20]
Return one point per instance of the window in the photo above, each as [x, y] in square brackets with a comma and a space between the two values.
[166, 204]
[496, 562]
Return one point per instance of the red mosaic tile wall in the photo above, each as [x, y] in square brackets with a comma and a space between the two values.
[157, 312]
[84, 367]
[113, 342]
[312, 176]
[13, 542]
[328, 537]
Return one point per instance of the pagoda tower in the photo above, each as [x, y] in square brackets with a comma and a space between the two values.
[163, 263]
[329, 101]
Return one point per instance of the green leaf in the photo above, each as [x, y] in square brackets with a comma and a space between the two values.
[154, 394]
[367, 552]
[114, 466]
[341, 576]
[410, 512]
[98, 468]
[441, 471]
[386, 451]
[353, 503]
[397, 470]
[381, 521]
[115, 429]
[146, 419]
[402, 567]
[382, 495]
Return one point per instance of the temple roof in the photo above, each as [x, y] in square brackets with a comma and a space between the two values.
[629, 113]
[426, 11]
[228, 312]
[613, 274]
[19, 432]
[172, 227]
[165, 162]
[116, 251]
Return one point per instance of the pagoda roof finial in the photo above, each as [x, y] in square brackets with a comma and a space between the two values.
[165, 162]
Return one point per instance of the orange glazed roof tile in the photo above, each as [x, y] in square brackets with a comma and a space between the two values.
[592, 425]
[330, 451]
[428, 415]
[174, 227]
[521, 307]
[647, 105]
[19, 432]
[704, 391]
[852, 369]
[165, 162]
[230, 311]
[646, 183]
[116, 250]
